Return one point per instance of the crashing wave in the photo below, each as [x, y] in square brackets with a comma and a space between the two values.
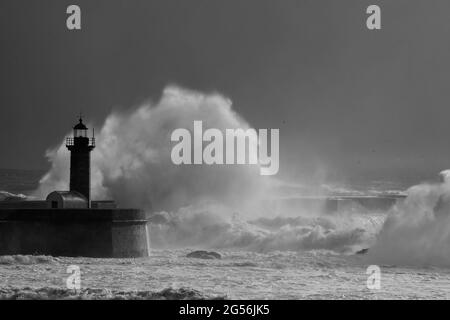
[417, 231]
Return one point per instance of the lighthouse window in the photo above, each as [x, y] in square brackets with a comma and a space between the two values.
[80, 133]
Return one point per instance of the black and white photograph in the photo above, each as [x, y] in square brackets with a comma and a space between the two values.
[240, 151]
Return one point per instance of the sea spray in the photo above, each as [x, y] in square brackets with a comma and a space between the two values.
[132, 162]
[417, 231]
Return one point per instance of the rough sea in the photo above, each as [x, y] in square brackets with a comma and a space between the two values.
[304, 256]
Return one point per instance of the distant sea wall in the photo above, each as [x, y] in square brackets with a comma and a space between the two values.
[329, 205]
[100, 233]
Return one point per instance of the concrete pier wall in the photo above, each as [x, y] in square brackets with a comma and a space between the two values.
[102, 233]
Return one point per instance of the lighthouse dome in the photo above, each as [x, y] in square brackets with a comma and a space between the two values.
[80, 125]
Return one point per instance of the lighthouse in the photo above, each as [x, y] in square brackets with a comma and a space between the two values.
[80, 147]
[70, 223]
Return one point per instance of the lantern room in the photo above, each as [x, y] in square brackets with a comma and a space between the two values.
[80, 130]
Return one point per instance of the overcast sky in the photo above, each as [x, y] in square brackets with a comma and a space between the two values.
[345, 99]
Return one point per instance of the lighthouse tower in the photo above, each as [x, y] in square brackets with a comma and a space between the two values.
[80, 147]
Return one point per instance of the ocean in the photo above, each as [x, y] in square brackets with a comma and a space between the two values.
[304, 256]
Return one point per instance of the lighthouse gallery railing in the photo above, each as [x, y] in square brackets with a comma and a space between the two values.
[71, 141]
